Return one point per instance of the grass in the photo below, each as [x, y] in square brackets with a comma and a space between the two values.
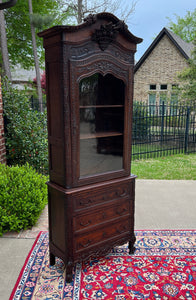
[174, 167]
[142, 150]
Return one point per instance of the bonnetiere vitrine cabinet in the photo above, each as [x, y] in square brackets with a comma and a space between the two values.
[89, 78]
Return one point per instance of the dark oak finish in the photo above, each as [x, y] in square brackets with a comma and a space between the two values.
[89, 73]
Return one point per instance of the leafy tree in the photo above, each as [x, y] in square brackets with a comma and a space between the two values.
[4, 49]
[43, 82]
[75, 12]
[34, 44]
[188, 79]
[3, 37]
[185, 27]
[48, 13]
[45, 13]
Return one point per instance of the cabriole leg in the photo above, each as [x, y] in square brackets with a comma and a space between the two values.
[131, 244]
[69, 269]
[52, 259]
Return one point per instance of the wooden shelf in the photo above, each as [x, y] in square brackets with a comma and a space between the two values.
[100, 106]
[85, 136]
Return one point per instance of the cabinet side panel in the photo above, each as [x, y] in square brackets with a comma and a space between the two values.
[55, 121]
[54, 100]
[58, 220]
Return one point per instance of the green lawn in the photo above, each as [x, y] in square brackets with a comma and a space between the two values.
[174, 167]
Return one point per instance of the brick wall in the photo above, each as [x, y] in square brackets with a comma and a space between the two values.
[2, 140]
[160, 67]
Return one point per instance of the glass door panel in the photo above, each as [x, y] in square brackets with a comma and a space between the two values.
[101, 124]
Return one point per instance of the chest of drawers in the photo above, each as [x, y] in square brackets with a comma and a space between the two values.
[88, 221]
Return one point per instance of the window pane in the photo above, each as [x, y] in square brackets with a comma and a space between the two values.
[162, 100]
[152, 86]
[152, 103]
[174, 99]
[173, 104]
[163, 86]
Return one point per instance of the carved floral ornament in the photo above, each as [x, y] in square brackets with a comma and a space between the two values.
[102, 66]
[107, 34]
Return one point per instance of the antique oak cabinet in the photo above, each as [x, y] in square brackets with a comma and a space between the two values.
[89, 77]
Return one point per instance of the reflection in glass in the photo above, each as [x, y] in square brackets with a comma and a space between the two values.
[101, 124]
[100, 155]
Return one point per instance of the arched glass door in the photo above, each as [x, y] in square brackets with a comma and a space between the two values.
[101, 124]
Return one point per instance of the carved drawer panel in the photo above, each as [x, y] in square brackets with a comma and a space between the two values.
[101, 195]
[85, 221]
[84, 241]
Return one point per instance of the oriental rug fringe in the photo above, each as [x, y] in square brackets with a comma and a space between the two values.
[163, 267]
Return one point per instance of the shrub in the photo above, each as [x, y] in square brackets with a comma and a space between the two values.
[23, 195]
[25, 131]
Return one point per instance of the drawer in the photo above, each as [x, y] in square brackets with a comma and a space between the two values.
[110, 231]
[101, 194]
[118, 209]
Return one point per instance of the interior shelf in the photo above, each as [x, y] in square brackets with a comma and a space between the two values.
[99, 135]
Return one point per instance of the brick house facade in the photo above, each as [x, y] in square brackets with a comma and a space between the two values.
[2, 139]
[155, 78]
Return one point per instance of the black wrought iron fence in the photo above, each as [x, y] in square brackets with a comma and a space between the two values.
[160, 130]
[35, 104]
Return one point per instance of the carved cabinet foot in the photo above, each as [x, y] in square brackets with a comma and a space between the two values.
[69, 268]
[52, 259]
[131, 245]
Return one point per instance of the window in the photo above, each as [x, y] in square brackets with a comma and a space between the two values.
[162, 102]
[152, 87]
[174, 86]
[152, 103]
[173, 103]
[174, 99]
[163, 86]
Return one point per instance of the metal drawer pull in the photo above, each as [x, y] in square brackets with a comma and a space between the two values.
[121, 212]
[86, 202]
[85, 224]
[85, 245]
[123, 194]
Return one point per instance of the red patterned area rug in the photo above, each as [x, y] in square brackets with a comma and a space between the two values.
[163, 267]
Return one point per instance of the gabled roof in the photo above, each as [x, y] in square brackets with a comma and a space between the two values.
[184, 47]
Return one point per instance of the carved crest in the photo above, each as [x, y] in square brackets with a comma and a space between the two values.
[107, 34]
[90, 19]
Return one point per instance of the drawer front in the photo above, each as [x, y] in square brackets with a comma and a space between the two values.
[102, 194]
[118, 209]
[85, 241]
